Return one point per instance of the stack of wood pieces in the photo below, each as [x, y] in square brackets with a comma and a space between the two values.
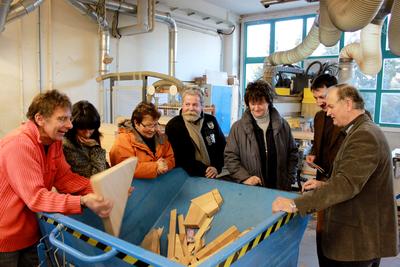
[187, 246]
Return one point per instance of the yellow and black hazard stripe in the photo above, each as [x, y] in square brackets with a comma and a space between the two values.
[254, 242]
[93, 242]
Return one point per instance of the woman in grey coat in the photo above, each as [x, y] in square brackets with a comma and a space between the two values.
[260, 149]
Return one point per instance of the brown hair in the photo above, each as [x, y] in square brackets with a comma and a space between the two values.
[46, 103]
[345, 90]
[143, 109]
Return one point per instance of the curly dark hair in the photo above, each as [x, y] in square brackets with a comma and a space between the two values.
[45, 104]
[143, 109]
[84, 116]
[258, 90]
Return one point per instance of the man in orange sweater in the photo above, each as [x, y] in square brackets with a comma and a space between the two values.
[31, 163]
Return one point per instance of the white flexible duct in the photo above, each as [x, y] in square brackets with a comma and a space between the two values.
[367, 53]
[329, 35]
[394, 29]
[300, 52]
[352, 15]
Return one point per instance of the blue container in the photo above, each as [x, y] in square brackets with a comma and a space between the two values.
[274, 240]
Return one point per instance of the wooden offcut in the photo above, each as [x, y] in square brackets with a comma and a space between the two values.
[217, 196]
[195, 216]
[152, 240]
[225, 238]
[207, 203]
[114, 184]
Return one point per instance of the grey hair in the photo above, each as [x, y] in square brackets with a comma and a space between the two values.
[345, 90]
[195, 90]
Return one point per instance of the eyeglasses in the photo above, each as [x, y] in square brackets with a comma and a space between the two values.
[150, 126]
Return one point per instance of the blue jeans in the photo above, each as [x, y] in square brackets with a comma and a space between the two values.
[26, 257]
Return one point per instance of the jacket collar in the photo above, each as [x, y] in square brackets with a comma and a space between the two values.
[275, 120]
[354, 124]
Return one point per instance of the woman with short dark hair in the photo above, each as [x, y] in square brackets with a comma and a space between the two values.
[260, 149]
[139, 137]
[81, 144]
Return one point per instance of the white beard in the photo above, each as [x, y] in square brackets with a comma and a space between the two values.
[190, 116]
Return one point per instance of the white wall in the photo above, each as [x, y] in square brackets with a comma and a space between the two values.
[67, 53]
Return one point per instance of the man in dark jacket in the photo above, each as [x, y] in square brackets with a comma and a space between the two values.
[327, 137]
[196, 138]
[360, 216]
[327, 141]
[260, 148]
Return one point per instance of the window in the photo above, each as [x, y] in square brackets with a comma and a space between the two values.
[381, 92]
[253, 72]
[256, 46]
[285, 41]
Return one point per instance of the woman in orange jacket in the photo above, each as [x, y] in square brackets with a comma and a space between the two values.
[139, 137]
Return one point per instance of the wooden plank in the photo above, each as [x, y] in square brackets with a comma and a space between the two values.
[178, 249]
[113, 184]
[182, 238]
[223, 239]
[171, 234]
[194, 217]
[181, 226]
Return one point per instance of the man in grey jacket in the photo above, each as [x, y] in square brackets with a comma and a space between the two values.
[360, 220]
[260, 149]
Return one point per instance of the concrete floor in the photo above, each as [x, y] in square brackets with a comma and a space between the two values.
[308, 250]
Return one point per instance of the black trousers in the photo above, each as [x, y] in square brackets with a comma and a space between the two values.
[26, 257]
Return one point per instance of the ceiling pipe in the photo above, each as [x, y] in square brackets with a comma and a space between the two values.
[22, 8]
[114, 6]
[4, 8]
[172, 40]
[145, 19]
[104, 47]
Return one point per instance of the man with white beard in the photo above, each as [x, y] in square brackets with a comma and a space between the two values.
[196, 138]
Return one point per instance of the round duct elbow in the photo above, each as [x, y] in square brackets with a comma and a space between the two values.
[367, 53]
[394, 29]
[300, 52]
[352, 15]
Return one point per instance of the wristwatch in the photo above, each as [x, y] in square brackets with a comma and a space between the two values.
[293, 206]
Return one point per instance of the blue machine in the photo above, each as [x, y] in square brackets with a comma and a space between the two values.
[274, 240]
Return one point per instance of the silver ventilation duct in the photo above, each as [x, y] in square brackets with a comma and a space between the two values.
[4, 8]
[22, 8]
[172, 41]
